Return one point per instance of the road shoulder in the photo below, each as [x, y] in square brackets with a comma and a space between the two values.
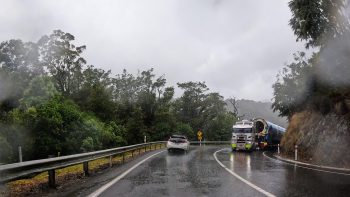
[85, 186]
[309, 165]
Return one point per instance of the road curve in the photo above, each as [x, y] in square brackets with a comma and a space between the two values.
[197, 173]
[179, 174]
[282, 179]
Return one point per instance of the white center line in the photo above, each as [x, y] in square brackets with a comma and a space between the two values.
[242, 179]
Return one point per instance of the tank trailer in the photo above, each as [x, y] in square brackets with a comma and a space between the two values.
[255, 134]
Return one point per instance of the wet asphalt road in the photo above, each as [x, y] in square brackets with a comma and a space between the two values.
[197, 173]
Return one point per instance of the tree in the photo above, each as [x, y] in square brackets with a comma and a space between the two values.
[234, 105]
[189, 106]
[96, 94]
[206, 111]
[6, 150]
[18, 60]
[20, 57]
[316, 21]
[63, 60]
[294, 86]
[220, 127]
[39, 91]
[185, 129]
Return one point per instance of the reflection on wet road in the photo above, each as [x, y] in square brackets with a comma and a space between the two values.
[198, 174]
[282, 179]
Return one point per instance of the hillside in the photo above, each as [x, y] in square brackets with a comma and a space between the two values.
[253, 109]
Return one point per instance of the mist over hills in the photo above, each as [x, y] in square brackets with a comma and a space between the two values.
[249, 109]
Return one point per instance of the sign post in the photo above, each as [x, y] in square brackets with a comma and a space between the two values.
[200, 136]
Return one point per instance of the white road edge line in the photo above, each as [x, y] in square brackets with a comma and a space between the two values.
[299, 166]
[112, 182]
[242, 179]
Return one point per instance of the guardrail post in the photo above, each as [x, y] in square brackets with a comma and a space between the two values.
[123, 157]
[52, 178]
[20, 153]
[86, 168]
[139, 151]
[296, 153]
[278, 148]
[110, 161]
[132, 153]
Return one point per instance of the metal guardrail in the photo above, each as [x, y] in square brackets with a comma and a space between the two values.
[16, 171]
[210, 142]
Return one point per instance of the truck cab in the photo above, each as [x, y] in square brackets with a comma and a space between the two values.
[243, 136]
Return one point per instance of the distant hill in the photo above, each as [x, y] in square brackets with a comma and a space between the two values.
[253, 109]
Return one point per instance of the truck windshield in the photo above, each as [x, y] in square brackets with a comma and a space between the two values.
[242, 130]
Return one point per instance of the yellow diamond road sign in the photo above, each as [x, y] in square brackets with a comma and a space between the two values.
[199, 135]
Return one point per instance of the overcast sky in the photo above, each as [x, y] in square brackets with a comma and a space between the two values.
[236, 47]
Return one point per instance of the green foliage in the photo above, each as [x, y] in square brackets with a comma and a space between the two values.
[319, 83]
[190, 106]
[294, 86]
[201, 110]
[164, 125]
[63, 60]
[40, 90]
[75, 108]
[220, 128]
[18, 65]
[88, 144]
[15, 134]
[113, 135]
[316, 21]
[5, 150]
[185, 129]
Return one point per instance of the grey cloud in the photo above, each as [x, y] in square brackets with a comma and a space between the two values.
[237, 47]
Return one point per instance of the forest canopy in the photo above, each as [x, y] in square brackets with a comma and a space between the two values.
[53, 102]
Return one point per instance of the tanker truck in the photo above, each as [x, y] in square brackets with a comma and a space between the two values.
[268, 133]
[257, 133]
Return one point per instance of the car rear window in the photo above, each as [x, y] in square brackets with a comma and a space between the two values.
[178, 136]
